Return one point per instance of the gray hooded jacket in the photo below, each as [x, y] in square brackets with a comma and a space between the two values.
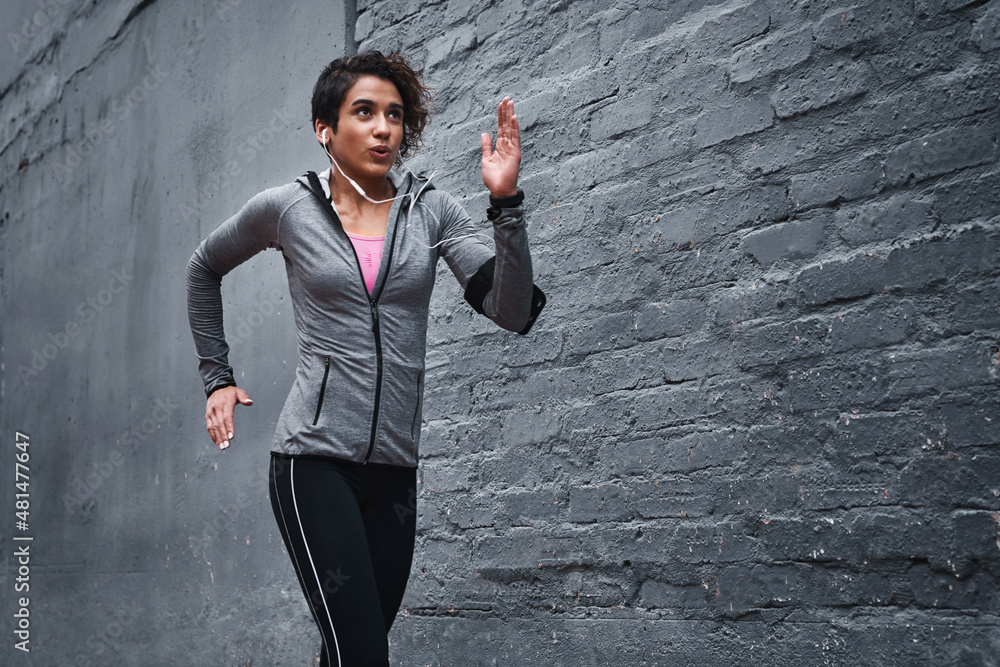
[359, 381]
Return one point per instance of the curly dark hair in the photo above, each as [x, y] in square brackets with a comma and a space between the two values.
[338, 77]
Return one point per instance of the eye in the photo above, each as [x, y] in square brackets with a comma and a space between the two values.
[364, 111]
[396, 113]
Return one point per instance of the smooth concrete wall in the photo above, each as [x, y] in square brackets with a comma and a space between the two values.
[757, 423]
[129, 131]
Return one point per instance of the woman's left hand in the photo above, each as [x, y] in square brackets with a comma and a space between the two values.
[501, 166]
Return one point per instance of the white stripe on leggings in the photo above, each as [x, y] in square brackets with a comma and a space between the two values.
[319, 584]
[295, 558]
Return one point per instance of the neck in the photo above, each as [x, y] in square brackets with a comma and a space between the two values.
[379, 188]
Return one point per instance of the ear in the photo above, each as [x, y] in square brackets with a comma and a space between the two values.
[320, 128]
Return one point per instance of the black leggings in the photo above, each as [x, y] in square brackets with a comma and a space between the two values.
[349, 530]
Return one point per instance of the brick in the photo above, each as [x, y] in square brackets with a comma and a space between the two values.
[676, 317]
[966, 200]
[598, 502]
[438, 476]
[622, 116]
[943, 590]
[699, 178]
[736, 26]
[738, 303]
[741, 118]
[756, 495]
[742, 588]
[613, 371]
[976, 537]
[659, 595]
[860, 275]
[716, 542]
[634, 27]
[525, 351]
[693, 86]
[851, 539]
[927, 51]
[942, 152]
[967, 423]
[986, 31]
[896, 217]
[787, 240]
[523, 552]
[943, 97]
[777, 52]
[570, 55]
[602, 333]
[932, 7]
[874, 24]
[941, 369]
[457, 510]
[816, 90]
[527, 508]
[530, 428]
[942, 479]
[722, 213]
[818, 336]
[685, 359]
[863, 177]
[498, 17]
[936, 258]
[976, 308]
[537, 109]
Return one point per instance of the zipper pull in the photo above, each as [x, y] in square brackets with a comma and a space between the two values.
[374, 307]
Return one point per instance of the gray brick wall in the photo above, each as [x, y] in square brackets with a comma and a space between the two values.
[757, 423]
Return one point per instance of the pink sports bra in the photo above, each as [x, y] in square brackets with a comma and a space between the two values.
[369, 249]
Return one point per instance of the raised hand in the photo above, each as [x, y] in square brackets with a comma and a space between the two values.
[501, 166]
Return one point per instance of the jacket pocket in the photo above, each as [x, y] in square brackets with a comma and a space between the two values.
[415, 426]
[322, 390]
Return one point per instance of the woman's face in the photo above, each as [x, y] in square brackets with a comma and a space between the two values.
[369, 128]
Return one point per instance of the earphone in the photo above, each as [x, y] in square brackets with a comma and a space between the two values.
[413, 197]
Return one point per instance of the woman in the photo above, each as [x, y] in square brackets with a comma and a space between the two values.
[360, 243]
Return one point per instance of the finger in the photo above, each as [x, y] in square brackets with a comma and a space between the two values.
[515, 131]
[487, 145]
[215, 427]
[214, 432]
[228, 424]
[243, 397]
[501, 118]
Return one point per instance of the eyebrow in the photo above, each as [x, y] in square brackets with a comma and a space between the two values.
[392, 105]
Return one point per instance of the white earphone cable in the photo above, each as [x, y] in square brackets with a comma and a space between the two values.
[413, 198]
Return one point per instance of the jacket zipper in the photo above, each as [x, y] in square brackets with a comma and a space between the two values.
[373, 305]
[322, 391]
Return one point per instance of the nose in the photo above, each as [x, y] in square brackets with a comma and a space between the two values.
[381, 128]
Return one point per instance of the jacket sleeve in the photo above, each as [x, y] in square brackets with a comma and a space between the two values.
[235, 241]
[508, 301]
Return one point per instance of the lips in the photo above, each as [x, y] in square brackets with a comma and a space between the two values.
[380, 152]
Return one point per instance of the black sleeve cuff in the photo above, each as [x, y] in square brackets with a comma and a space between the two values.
[497, 203]
[211, 389]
